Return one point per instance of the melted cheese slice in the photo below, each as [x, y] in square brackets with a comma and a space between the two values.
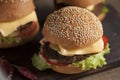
[96, 47]
[91, 7]
[6, 28]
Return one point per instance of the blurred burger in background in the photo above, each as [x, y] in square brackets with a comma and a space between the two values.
[96, 6]
[73, 42]
[18, 22]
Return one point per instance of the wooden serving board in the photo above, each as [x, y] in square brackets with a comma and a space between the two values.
[22, 55]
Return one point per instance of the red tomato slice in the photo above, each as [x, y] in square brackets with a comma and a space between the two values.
[105, 39]
[29, 30]
[52, 62]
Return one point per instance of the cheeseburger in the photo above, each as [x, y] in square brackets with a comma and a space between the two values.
[73, 42]
[18, 22]
[96, 6]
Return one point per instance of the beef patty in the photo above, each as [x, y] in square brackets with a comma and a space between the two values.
[54, 55]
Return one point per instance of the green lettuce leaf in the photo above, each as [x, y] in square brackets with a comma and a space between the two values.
[105, 10]
[94, 61]
[9, 40]
[39, 63]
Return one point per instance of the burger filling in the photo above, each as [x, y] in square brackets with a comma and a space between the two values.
[11, 32]
[52, 56]
[96, 47]
[99, 9]
[9, 40]
[91, 7]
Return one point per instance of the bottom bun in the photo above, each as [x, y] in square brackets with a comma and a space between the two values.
[23, 39]
[67, 69]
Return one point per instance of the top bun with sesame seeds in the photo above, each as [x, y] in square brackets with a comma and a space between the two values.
[19, 9]
[72, 27]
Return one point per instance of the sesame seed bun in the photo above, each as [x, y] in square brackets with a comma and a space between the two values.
[72, 27]
[80, 3]
[14, 9]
